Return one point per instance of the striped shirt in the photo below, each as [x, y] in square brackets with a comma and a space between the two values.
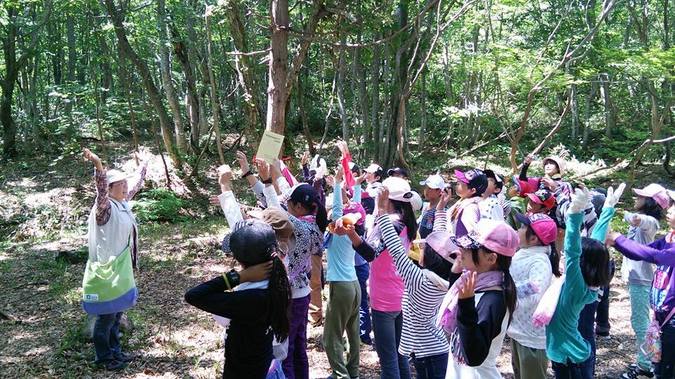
[421, 300]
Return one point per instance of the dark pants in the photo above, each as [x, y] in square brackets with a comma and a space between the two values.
[387, 328]
[587, 329]
[296, 365]
[602, 326]
[666, 368]
[568, 371]
[432, 367]
[107, 337]
[365, 327]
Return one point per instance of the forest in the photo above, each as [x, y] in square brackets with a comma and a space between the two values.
[428, 86]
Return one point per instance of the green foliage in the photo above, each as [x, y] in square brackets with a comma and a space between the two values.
[159, 205]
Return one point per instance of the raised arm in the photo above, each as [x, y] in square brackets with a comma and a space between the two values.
[600, 230]
[102, 200]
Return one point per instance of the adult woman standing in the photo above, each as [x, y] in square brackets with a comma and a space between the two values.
[108, 284]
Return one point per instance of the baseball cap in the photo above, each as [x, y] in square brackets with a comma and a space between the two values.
[253, 242]
[303, 193]
[672, 195]
[474, 178]
[558, 161]
[542, 197]
[416, 201]
[543, 226]
[113, 176]
[656, 192]
[442, 242]
[375, 168]
[495, 236]
[353, 167]
[399, 189]
[397, 171]
[434, 181]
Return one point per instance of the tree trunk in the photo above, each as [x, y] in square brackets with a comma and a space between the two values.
[183, 52]
[277, 95]
[215, 103]
[610, 117]
[340, 91]
[303, 113]
[423, 122]
[146, 77]
[373, 131]
[587, 114]
[360, 77]
[165, 69]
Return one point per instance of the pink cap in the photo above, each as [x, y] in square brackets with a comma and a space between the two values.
[441, 242]
[496, 236]
[656, 192]
[542, 225]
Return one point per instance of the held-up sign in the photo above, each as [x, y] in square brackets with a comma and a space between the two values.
[270, 146]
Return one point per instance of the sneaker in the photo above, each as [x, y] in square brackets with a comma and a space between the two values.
[124, 357]
[112, 365]
[634, 372]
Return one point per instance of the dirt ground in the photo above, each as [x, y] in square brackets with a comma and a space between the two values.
[41, 264]
[44, 338]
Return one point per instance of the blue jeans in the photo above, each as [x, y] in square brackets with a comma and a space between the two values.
[587, 329]
[365, 327]
[639, 319]
[387, 329]
[106, 337]
[431, 367]
[666, 368]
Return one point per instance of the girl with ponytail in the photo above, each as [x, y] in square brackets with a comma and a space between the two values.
[255, 299]
[532, 269]
[481, 301]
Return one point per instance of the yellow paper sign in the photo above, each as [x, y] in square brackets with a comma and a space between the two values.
[270, 146]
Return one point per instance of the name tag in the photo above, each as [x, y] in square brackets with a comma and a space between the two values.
[91, 297]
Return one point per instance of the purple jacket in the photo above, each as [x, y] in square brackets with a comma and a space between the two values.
[662, 254]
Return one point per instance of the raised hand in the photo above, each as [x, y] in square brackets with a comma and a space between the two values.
[243, 162]
[263, 169]
[528, 159]
[339, 174]
[445, 199]
[256, 273]
[330, 180]
[93, 158]
[360, 179]
[581, 199]
[305, 158]
[383, 200]
[224, 174]
[613, 196]
[466, 289]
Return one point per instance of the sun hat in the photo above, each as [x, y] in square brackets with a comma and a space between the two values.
[542, 197]
[495, 236]
[279, 221]
[656, 192]
[542, 224]
[354, 168]
[434, 182]
[474, 178]
[558, 161]
[113, 176]
[672, 195]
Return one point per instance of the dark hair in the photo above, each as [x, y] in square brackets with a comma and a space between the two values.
[553, 254]
[306, 196]
[407, 217]
[594, 263]
[503, 265]
[250, 252]
[650, 208]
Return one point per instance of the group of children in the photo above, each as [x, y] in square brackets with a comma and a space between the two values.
[440, 291]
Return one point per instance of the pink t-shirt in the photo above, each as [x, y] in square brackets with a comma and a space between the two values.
[385, 285]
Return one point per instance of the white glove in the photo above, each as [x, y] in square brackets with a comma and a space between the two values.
[581, 199]
[613, 196]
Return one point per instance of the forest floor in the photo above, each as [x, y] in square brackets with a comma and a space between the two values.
[43, 211]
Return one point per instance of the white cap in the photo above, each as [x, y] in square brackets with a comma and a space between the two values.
[434, 181]
[416, 201]
[373, 168]
[113, 176]
[399, 189]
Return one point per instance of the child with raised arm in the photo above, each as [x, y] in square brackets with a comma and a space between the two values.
[586, 270]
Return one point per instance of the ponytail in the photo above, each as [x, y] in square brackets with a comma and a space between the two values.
[554, 257]
[279, 299]
[510, 296]
[321, 216]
